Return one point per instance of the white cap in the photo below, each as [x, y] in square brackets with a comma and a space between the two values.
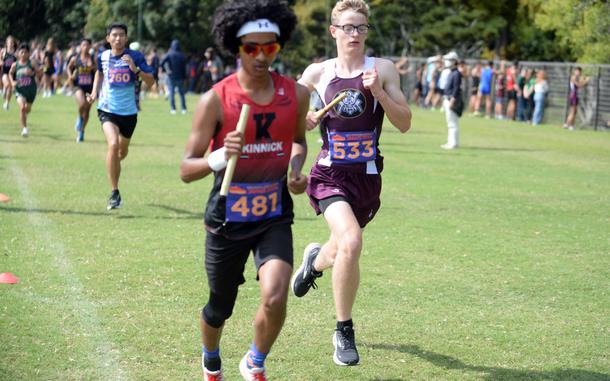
[258, 26]
[433, 59]
[451, 56]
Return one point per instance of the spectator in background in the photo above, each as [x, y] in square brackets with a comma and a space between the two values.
[442, 79]
[521, 80]
[152, 59]
[463, 68]
[541, 87]
[511, 90]
[48, 68]
[193, 73]
[452, 100]
[437, 99]
[475, 79]
[575, 83]
[430, 83]
[464, 72]
[500, 92]
[528, 94]
[418, 89]
[212, 68]
[487, 75]
[174, 64]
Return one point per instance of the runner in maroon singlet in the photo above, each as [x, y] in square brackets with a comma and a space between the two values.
[345, 181]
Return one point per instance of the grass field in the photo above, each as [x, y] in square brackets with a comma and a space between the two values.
[491, 262]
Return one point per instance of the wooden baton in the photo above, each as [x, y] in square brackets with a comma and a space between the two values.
[320, 113]
[241, 127]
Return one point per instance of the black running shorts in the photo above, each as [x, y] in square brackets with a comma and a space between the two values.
[225, 259]
[125, 123]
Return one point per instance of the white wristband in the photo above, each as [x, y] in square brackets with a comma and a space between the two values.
[217, 160]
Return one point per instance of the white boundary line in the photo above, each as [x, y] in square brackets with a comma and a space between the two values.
[106, 357]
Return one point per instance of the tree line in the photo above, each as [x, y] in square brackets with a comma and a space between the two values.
[537, 30]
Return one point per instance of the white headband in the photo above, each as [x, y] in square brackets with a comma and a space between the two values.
[258, 26]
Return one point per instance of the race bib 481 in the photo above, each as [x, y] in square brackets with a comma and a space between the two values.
[250, 202]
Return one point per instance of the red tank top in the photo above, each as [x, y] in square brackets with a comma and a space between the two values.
[269, 132]
[263, 164]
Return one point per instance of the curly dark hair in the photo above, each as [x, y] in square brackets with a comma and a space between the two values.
[231, 15]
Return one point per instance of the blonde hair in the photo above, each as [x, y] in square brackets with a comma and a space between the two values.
[343, 5]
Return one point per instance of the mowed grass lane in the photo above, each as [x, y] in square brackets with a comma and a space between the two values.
[489, 262]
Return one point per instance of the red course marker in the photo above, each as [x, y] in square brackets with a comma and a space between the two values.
[8, 278]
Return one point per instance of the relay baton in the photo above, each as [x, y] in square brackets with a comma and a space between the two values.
[322, 112]
[241, 127]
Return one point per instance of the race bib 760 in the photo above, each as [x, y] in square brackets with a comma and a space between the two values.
[119, 77]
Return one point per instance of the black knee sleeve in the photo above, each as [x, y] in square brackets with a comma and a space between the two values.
[218, 309]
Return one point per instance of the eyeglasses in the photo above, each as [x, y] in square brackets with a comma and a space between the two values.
[350, 28]
[254, 50]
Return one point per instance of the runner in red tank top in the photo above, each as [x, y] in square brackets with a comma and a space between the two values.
[256, 215]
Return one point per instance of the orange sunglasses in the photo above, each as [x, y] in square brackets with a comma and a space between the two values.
[254, 50]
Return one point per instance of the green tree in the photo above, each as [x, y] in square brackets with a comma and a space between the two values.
[40, 19]
[582, 26]
[529, 42]
[186, 20]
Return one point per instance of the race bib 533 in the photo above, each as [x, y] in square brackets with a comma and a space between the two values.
[352, 147]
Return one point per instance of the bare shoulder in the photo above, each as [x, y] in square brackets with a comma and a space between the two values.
[312, 74]
[209, 98]
[209, 109]
[385, 65]
[302, 91]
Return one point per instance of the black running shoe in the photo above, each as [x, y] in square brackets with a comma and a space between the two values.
[114, 202]
[304, 278]
[345, 347]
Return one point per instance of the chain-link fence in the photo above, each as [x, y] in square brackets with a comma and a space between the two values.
[594, 98]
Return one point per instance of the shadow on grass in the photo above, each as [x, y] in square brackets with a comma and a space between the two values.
[492, 373]
[57, 211]
[136, 144]
[22, 141]
[182, 213]
[466, 148]
[55, 137]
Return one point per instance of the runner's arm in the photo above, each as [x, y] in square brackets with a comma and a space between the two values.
[207, 117]
[310, 77]
[384, 83]
[11, 75]
[97, 82]
[71, 68]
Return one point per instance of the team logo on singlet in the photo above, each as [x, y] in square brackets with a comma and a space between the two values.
[265, 146]
[263, 122]
[352, 106]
